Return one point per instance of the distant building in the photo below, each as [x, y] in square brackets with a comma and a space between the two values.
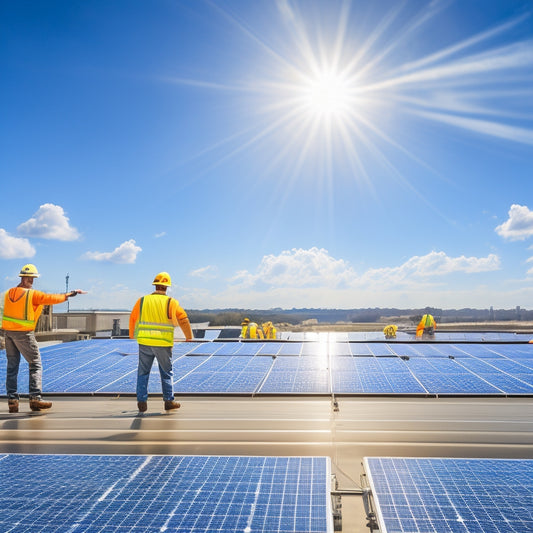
[93, 323]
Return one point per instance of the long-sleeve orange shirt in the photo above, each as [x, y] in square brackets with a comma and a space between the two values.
[23, 307]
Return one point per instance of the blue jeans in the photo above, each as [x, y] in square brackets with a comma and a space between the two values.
[163, 354]
[23, 342]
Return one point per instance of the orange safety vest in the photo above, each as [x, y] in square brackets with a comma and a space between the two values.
[19, 313]
[425, 324]
[155, 327]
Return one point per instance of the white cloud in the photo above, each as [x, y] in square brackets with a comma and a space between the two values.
[298, 268]
[205, 273]
[49, 222]
[159, 235]
[519, 225]
[125, 253]
[14, 247]
[421, 268]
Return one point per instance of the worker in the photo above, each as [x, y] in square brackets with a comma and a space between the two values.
[22, 307]
[390, 331]
[152, 323]
[269, 330]
[426, 326]
[244, 328]
[250, 330]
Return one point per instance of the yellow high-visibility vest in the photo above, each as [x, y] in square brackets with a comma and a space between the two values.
[154, 327]
[253, 331]
[270, 331]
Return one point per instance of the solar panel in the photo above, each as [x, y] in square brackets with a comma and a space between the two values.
[141, 494]
[452, 495]
[110, 366]
[506, 375]
[445, 376]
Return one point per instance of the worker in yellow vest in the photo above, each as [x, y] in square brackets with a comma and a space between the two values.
[426, 326]
[152, 323]
[269, 330]
[22, 307]
[250, 330]
[390, 331]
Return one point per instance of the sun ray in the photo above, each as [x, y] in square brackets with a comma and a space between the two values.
[327, 100]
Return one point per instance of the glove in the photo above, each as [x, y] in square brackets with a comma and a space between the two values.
[77, 291]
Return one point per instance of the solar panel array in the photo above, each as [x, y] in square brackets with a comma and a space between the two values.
[321, 366]
[452, 495]
[139, 494]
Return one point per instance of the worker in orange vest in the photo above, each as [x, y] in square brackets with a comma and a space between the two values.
[426, 326]
[22, 307]
[152, 322]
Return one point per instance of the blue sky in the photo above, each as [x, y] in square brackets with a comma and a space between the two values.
[312, 153]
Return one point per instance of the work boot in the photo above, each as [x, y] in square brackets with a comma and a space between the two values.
[142, 406]
[36, 404]
[13, 405]
[171, 404]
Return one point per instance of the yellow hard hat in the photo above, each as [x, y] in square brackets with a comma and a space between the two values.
[29, 271]
[163, 278]
[245, 321]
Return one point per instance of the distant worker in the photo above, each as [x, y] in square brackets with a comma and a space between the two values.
[390, 331]
[269, 330]
[152, 323]
[22, 308]
[244, 327]
[250, 330]
[426, 326]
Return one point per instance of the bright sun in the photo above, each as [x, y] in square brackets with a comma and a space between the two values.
[328, 94]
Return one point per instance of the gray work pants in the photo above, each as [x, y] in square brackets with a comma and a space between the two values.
[17, 343]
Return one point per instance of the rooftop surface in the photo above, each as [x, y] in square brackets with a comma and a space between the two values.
[345, 428]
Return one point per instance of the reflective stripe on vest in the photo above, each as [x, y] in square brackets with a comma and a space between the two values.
[154, 327]
[23, 311]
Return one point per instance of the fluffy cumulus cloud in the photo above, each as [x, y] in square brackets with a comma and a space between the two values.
[420, 268]
[49, 222]
[206, 273]
[519, 225]
[14, 247]
[126, 253]
[298, 268]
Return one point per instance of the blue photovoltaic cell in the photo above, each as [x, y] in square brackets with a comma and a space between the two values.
[270, 348]
[505, 375]
[291, 348]
[445, 376]
[339, 348]
[141, 494]
[372, 375]
[249, 348]
[452, 495]
[303, 374]
[241, 374]
[229, 348]
[380, 350]
[358, 349]
[207, 348]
